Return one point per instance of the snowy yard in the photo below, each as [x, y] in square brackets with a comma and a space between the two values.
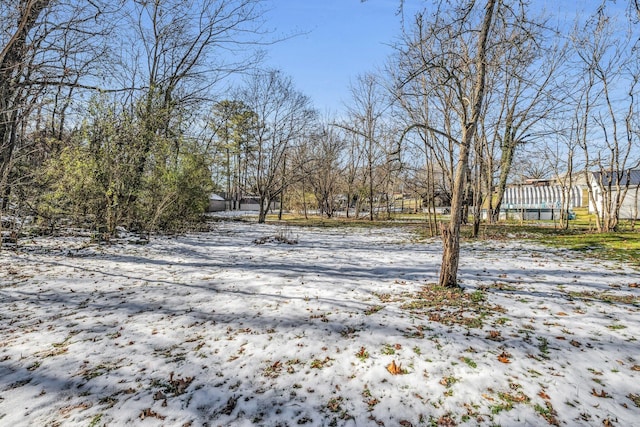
[234, 328]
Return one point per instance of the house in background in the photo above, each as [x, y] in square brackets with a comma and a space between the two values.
[217, 203]
[540, 199]
[607, 187]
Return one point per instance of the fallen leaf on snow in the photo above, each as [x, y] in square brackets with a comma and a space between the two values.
[601, 394]
[148, 413]
[395, 369]
[179, 384]
[544, 395]
[446, 421]
[504, 357]
[494, 336]
[635, 398]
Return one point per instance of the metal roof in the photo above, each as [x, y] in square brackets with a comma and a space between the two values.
[628, 177]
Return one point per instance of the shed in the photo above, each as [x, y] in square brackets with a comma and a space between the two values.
[216, 203]
[626, 183]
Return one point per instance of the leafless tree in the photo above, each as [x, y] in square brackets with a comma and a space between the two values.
[352, 167]
[608, 112]
[175, 50]
[326, 149]
[284, 119]
[525, 83]
[45, 51]
[451, 48]
[366, 122]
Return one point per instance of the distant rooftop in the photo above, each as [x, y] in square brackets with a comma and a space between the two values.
[629, 177]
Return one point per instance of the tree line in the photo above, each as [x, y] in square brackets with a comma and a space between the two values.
[115, 114]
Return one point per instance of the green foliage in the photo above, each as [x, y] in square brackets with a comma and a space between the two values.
[116, 172]
[470, 362]
[175, 193]
[74, 191]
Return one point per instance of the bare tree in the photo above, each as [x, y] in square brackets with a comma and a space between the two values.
[284, 118]
[608, 113]
[326, 149]
[438, 150]
[524, 83]
[176, 47]
[352, 165]
[45, 51]
[452, 50]
[366, 123]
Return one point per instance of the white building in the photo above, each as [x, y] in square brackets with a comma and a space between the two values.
[542, 199]
[541, 194]
[607, 187]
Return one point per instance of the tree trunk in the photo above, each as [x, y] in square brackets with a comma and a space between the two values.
[451, 233]
[13, 60]
[451, 236]
[508, 151]
[262, 213]
[348, 203]
[304, 201]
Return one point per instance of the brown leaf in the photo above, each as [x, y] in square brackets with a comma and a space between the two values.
[561, 313]
[601, 394]
[180, 384]
[575, 343]
[230, 406]
[495, 335]
[504, 357]
[544, 395]
[446, 421]
[395, 369]
[635, 368]
[148, 413]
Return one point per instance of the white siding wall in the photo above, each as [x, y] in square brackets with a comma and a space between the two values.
[529, 196]
[630, 205]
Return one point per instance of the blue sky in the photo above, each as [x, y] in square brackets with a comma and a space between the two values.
[341, 39]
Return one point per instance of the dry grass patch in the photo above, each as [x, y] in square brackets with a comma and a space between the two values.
[452, 306]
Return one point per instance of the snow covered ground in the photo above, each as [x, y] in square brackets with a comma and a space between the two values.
[236, 327]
